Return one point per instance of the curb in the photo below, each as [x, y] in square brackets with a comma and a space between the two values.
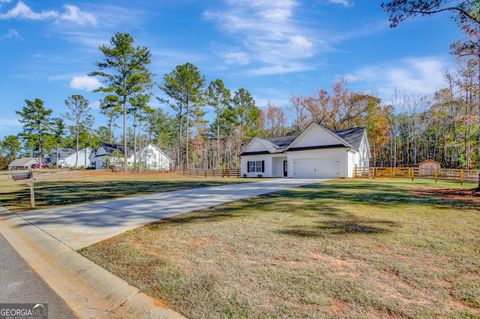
[88, 289]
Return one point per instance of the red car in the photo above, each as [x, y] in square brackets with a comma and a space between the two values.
[35, 166]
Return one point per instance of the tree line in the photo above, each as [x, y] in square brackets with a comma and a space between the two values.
[402, 131]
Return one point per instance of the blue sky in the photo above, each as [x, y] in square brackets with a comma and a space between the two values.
[274, 48]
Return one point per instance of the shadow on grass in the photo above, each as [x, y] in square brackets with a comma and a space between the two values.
[341, 227]
[70, 193]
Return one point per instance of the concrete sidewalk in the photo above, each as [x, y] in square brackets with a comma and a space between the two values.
[82, 225]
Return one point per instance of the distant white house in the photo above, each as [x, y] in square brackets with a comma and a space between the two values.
[150, 157]
[22, 163]
[315, 153]
[67, 158]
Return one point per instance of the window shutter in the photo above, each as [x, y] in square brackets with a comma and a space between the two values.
[248, 166]
[263, 166]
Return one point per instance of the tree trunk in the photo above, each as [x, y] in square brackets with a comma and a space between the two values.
[187, 134]
[180, 140]
[77, 143]
[125, 149]
[218, 139]
[134, 141]
[478, 115]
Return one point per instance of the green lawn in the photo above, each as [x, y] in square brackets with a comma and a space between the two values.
[76, 187]
[340, 249]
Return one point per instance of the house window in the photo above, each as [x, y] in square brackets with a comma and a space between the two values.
[256, 166]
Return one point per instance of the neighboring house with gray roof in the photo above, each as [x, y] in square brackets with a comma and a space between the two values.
[149, 157]
[315, 153]
[67, 158]
[22, 163]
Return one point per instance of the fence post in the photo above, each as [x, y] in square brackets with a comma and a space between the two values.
[355, 172]
[436, 174]
[462, 174]
[32, 189]
[412, 173]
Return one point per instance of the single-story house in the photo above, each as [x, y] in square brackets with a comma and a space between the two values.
[315, 153]
[428, 167]
[22, 163]
[64, 157]
[150, 157]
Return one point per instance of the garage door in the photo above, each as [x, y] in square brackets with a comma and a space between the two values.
[319, 167]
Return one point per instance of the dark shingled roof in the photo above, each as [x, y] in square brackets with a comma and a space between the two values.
[282, 141]
[352, 135]
[110, 148]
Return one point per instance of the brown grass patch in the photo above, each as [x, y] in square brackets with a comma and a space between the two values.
[301, 254]
[467, 196]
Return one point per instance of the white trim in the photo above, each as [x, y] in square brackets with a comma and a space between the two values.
[333, 134]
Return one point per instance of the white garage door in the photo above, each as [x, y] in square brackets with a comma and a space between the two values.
[319, 167]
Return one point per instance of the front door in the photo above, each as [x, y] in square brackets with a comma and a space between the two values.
[285, 169]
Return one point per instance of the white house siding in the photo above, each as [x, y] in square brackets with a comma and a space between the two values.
[315, 135]
[277, 165]
[83, 159]
[332, 163]
[364, 154]
[353, 159]
[153, 158]
[329, 163]
[268, 165]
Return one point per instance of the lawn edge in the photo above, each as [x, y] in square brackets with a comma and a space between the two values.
[88, 289]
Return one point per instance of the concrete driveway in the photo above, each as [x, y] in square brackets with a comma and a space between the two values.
[82, 225]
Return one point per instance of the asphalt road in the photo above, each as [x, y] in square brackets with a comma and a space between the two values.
[20, 284]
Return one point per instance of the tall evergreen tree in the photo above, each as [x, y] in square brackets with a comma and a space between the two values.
[248, 115]
[184, 86]
[110, 107]
[124, 72]
[37, 122]
[78, 113]
[9, 147]
[218, 97]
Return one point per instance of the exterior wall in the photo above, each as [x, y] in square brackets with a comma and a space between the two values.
[363, 154]
[336, 157]
[315, 135]
[353, 159]
[277, 165]
[428, 168]
[255, 146]
[83, 159]
[152, 158]
[268, 165]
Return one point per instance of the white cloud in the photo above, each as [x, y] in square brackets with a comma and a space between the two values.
[268, 34]
[11, 34]
[236, 57]
[71, 14]
[422, 75]
[22, 11]
[280, 69]
[345, 3]
[74, 14]
[85, 82]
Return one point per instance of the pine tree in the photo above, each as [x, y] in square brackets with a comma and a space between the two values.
[37, 123]
[124, 71]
